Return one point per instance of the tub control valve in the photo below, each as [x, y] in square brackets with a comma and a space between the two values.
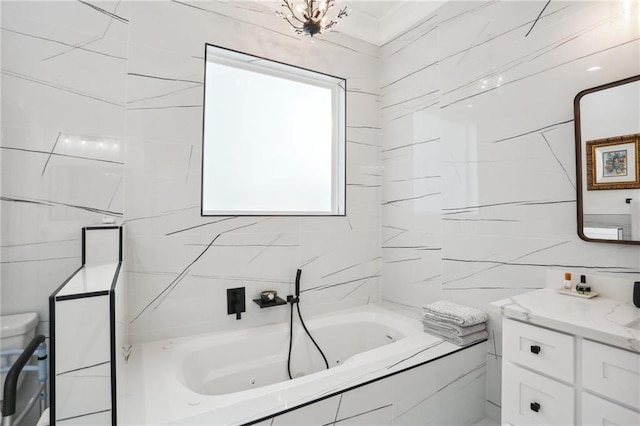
[235, 301]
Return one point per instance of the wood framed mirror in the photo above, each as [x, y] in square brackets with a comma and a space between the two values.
[607, 135]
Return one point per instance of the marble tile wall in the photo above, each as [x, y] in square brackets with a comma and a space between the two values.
[469, 172]
[180, 264]
[478, 161]
[102, 117]
[430, 394]
[63, 77]
[83, 362]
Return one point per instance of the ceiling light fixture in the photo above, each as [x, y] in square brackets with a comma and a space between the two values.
[310, 17]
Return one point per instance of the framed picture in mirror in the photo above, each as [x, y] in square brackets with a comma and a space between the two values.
[613, 163]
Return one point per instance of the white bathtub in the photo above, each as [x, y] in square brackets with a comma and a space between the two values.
[240, 377]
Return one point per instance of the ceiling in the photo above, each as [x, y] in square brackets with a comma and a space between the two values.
[375, 9]
[380, 21]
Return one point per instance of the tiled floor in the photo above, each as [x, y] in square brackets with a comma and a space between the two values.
[487, 422]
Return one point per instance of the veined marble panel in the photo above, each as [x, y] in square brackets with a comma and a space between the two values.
[503, 90]
[460, 148]
[411, 160]
[105, 20]
[429, 394]
[180, 264]
[62, 146]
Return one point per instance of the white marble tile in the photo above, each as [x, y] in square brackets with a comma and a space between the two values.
[194, 283]
[70, 186]
[122, 345]
[83, 322]
[82, 392]
[507, 159]
[102, 246]
[106, 20]
[69, 88]
[34, 100]
[175, 123]
[323, 412]
[337, 262]
[411, 276]
[19, 299]
[430, 394]
[35, 282]
[494, 413]
[168, 174]
[371, 404]
[98, 419]
[494, 378]
[361, 214]
[163, 157]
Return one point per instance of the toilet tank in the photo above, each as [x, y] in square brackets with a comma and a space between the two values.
[16, 331]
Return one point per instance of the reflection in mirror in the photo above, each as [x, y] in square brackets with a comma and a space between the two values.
[607, 126]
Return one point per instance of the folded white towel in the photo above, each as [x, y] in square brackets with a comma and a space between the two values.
[452, 329]
[462, 340]
[453, 313]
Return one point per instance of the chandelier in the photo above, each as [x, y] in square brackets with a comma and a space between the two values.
[310, 19]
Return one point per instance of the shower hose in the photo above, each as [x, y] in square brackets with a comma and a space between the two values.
[295, 300]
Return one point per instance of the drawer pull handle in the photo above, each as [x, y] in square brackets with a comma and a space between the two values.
[535, 406]
[535, 349]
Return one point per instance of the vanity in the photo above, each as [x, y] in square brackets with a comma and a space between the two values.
[570, 360]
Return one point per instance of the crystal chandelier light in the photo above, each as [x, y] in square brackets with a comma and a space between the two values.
[310, 17]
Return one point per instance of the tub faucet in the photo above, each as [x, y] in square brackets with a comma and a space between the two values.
[235, 301]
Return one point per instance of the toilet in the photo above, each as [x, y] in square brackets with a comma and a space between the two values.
[16, 331]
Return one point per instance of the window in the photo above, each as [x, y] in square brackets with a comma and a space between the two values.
[273, 138]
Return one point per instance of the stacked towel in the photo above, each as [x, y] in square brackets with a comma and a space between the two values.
[458, 324]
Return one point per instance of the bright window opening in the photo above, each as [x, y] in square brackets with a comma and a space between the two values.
[273, 140]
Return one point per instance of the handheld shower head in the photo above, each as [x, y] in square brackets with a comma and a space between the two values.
[297, 292]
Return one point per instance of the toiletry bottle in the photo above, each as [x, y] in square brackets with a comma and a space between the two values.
[567, 281]
[582, 287]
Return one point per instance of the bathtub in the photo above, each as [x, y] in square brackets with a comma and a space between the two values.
[240, 377]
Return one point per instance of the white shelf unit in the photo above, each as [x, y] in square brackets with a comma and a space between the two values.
[87, 327]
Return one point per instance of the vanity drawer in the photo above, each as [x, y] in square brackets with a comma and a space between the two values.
[543, 350]
[598, 412]
[531, 399]
[611, 372]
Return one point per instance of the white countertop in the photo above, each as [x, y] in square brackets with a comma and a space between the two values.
[601, 319]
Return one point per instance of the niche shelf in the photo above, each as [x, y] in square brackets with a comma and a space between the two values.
[275, 302]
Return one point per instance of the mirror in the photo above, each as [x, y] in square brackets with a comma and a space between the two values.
[607, 128]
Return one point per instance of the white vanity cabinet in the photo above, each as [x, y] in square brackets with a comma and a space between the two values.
[554, 378]
[598, 412]
[612, 373]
